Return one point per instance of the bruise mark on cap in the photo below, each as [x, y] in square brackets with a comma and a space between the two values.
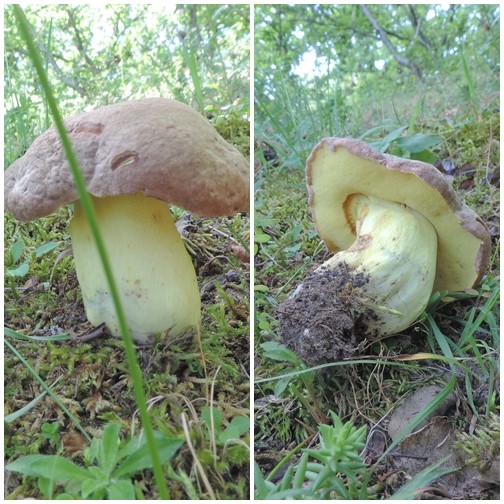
[126, 158]
[93, 128]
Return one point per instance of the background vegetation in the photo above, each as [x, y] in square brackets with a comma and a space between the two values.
[197, 393]
[383, 74]
[326, 70]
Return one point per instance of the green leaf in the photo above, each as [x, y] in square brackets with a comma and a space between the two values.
[418, 142]
[411, 489]
[281, 385]
[109, 446]
[383, 144]
[91, 486]
[20, 271]
[25, 409]
[16, 335]
[278, 352]
[217, 417]
[45, 248]
[140, 458]
[264, 325]
[239, 425]
[64, 496]
[261, 237]
[48, 466]
[46, 487]
[426, 156]
[16, 250]
[121, 490]
[261, 288]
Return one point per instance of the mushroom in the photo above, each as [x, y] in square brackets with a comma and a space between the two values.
[399, 233]
[136, 157]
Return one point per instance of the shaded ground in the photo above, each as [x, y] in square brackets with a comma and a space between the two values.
[93, 377]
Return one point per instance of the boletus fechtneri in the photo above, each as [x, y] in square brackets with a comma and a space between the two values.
[399, 233]
[136, 157]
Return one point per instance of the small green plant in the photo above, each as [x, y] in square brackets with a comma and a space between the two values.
[109, 464]
[413, 146]
[469, 88]
[50, 431]
[213, 419]
[19, 258]
[338, 473]
[228, 436]
[483, 447]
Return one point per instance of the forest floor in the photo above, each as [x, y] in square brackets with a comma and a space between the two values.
[289, 411]
[202, 384]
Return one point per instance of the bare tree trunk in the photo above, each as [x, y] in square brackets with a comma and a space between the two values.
[402, 60]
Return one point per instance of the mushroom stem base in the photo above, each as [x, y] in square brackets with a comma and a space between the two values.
[378, 287]
[151, 267]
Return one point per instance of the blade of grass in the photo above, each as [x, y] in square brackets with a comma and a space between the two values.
[440, 338]
[190, 61]
[398, 362]
[413, 487]
[470, 86]
[22, 411]
[88, 208]
[414, 116]
[10, 333]
[265, 109]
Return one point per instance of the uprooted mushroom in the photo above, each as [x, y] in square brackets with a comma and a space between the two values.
[399, 233]
[136, 157]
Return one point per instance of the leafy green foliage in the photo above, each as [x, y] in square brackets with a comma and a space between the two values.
[18, 268]
[338, 472]
[196, 54]
[109, 465]
[212, 417]
[345, 78]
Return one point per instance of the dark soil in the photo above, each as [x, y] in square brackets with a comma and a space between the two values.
[323, 321]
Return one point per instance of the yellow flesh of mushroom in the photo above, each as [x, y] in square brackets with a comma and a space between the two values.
[395, 249]
[153, 271]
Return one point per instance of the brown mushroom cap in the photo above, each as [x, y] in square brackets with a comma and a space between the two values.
[339, 168]
[155, 145]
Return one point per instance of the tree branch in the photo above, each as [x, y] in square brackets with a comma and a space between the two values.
[417, 23]
[78, 41]
[402, 60]
[57, 70]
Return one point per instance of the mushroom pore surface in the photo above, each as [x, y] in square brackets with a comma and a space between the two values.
[153, 271]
